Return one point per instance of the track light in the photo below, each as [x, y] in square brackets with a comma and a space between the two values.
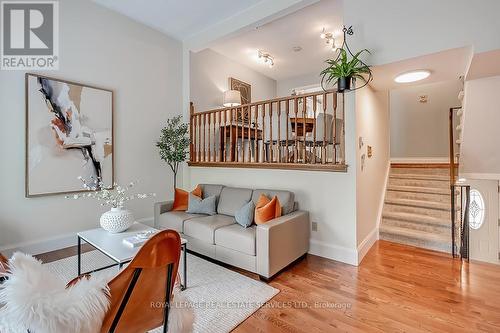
[266, 58]
[329, 38]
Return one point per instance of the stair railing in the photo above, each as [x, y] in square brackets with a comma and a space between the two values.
[460, 202]
[303, 132]
[453, 165]
[460, 205]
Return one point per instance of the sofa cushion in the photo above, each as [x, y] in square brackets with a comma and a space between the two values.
[244, 215]
[211, 189]
[236, 237]
[232, 199]
[181, 198]
[286, 198]
[203, 228]
[267, 209]
[197, 205]
[175, 220]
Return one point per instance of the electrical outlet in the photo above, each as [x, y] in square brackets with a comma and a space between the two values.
[314, 226]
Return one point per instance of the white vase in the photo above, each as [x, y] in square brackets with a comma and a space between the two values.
[117, 220]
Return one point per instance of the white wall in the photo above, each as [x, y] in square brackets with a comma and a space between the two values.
[285, 86]
[479, 152]
[102, 48]
[372, 124]
[421, 130]
[397, 30]
[209, 76]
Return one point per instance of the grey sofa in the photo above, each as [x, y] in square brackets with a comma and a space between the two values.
[263, 249]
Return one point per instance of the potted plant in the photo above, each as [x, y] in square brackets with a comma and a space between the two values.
[174, 144]
[344, 70]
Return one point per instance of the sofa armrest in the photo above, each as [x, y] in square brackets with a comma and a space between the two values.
[160, 208]
[281, 241]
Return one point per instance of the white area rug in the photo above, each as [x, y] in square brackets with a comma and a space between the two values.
[221, 298]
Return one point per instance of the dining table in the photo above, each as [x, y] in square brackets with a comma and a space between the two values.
[298, 124]
[236, 131]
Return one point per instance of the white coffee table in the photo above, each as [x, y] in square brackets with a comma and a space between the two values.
[112, 246]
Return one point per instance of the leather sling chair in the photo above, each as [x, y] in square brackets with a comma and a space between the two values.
[141, 292]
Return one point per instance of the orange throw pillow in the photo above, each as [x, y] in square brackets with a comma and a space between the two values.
[266, 209]
[181, 198]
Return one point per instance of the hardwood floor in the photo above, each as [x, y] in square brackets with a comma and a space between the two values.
[397, 288]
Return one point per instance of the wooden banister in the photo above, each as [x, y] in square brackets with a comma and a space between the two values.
[280, 133]
[452, 145]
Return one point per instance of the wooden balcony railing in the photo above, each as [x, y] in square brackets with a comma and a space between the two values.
[295, 132]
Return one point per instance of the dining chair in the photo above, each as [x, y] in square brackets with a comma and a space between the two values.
[324, 135]
[281, 142]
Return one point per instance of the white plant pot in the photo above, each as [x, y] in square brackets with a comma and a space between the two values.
[117, 220]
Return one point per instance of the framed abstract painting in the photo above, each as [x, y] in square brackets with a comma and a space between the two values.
[69, 134]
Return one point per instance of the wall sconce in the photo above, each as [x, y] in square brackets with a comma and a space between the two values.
[231, 98]
[266, 58]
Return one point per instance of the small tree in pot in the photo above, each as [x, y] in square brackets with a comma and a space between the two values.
[174, 144]
[344, 70]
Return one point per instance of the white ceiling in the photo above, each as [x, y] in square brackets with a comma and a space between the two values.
[301, 28]
[444, 66]
[484, 64]
[180, 19]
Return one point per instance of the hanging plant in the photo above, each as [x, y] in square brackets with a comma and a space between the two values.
[346, 67]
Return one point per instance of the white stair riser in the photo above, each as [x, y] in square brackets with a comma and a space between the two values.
[419, 183]
[423, 171]
[442, 214]
[437, 246]
[418, 196]
[445, 206]
[435, 229]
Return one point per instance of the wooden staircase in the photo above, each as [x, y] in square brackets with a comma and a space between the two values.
[417, 207]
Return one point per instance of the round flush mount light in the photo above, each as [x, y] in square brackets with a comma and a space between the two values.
[412, 76]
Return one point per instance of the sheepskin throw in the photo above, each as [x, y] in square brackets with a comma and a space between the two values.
[35, 299]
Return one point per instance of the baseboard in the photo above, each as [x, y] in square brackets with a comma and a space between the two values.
[53, 243]
[403, 160]
[367, 243]
[41, 246]
[334, 252]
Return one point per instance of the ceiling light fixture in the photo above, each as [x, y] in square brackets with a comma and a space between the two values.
[412, 76]
[330, 39]
[266, 58]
